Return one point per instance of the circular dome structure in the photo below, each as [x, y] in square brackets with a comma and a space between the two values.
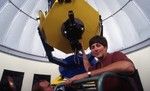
[125, 25]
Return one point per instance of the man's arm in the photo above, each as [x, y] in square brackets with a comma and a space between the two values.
[118, 67]
[86, 62]
[49, 49]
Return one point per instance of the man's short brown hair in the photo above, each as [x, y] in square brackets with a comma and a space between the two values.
[98, 39]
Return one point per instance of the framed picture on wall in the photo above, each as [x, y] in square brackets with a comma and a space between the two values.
[38, 77]
[11, 80]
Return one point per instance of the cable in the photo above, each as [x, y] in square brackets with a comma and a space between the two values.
[117, 11]
[22, 10]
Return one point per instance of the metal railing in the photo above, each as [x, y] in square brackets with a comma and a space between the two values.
[97, 83]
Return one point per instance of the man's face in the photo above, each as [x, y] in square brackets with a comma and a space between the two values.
[98, 50]
[46, 86]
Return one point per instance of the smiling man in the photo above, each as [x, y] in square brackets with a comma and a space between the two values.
[107, 62]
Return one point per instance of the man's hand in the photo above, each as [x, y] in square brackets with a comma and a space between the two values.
[76, 78]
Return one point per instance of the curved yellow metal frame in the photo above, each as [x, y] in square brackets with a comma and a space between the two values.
[58, 14]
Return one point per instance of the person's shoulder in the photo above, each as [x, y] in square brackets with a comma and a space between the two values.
[118, 53]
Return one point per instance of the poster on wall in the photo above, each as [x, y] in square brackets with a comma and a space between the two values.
[38, 77]
[11, 80]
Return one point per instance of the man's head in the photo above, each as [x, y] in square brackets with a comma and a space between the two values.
[98, 45]
[98, 39]
[42, 85]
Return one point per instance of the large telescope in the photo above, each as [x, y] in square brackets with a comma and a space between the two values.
[68, 22]
[64, 26]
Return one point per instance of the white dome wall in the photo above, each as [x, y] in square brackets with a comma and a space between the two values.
[19, 27]
[141, 60]
[28, 67]
[123, 27]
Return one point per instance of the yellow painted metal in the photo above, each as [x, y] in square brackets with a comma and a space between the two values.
[42, 19]
[58, 14]
[59, 79]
